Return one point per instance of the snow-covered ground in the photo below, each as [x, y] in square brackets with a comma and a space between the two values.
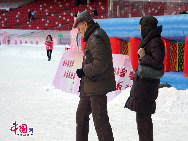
[27, 97]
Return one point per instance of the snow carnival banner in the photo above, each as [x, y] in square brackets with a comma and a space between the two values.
[67, 80]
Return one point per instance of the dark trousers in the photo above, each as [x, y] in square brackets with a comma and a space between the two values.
[97, 105]
[29, 19]
[49, 52]
[144, 126]
[32, 17]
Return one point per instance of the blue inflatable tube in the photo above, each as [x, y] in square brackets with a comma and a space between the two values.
[175, 27]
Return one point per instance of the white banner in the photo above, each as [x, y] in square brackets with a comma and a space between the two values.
[67, 80]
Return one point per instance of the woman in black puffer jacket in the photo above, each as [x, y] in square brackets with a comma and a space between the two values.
[144, 91]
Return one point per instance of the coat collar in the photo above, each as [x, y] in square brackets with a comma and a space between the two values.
[156, 32]
[90, 30]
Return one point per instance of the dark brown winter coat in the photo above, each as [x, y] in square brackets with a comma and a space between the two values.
[144, 91]
[97, 63]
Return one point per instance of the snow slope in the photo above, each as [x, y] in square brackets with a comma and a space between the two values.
[28, 97]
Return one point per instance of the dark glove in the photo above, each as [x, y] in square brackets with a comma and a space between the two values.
[80, 73]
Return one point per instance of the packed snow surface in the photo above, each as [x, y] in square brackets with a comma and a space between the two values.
[28, 97]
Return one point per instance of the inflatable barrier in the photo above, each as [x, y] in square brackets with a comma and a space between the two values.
[167, 55]
[175, 27]
[134, 42]
[186, 58]
[116, 45]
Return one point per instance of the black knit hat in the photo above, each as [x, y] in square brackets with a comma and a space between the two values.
[147, 23]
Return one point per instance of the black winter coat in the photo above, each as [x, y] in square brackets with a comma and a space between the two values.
[29, 14]
[97, 63]
[144, 91]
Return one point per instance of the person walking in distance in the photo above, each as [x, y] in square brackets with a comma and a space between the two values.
[33, 15]
[144, 92]
[29, 15]
[97, 79]
[49, 46]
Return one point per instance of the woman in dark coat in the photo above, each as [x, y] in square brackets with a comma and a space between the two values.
[144, 91]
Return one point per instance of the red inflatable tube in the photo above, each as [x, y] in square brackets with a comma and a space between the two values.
[82, 44]
[134, 42]
[167, 54]
[185, 67]
[116, 45]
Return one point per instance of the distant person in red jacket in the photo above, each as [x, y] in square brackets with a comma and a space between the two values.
[49, 46]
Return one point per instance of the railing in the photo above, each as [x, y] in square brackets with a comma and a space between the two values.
[136, 8]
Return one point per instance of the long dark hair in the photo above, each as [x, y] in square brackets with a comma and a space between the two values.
[50, 37]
